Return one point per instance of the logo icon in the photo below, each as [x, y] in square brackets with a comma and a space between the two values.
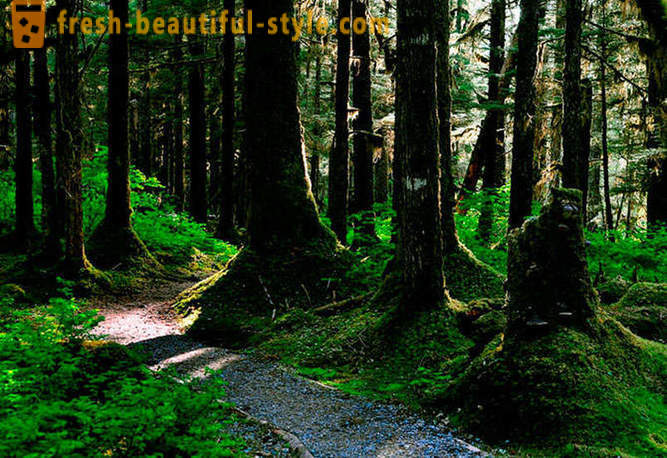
[28, 23]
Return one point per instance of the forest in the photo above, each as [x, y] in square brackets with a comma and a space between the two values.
[333, 228]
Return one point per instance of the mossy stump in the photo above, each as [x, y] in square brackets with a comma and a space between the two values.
[548, 281]
[564, 375]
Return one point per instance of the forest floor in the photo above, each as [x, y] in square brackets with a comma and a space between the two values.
[326, 421]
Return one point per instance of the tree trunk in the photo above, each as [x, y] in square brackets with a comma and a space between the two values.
[282, 208]
[25, 225]
[521, 196]
[179, 159]
[362, 199]
[382, 172]
[585, 155]
[118, 210]
[608, 212]
[417, 150]
[145, 159]
[198, 197]
[557, 110]
[43, 127]
[226, 224]
[450, 240]
[572, 120]
[339, 158]
[494, 161]
[475, 167]
[656, 204]
[69, 143]
[317, 131]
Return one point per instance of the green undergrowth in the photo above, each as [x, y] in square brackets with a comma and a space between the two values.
[63, 394]
[172, 238]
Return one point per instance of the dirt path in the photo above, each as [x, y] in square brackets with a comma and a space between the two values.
[328, 422]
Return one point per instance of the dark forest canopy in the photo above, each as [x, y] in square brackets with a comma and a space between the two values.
[458, 205]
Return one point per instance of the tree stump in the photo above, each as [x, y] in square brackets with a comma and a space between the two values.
[548, 281]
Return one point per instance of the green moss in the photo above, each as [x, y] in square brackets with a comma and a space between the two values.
[247, 297]
[568, 391]
[612, 291]
[643, 310]
[468, 278]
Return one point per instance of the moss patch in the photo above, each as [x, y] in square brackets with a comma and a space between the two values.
[255, 290]
[568, 391]
[469, 278]
[643, 310]
[612, 291]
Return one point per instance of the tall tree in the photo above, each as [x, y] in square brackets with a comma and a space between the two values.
[340, 153]
[447, 187]
[362, 200]
[314, 159]
[43, 128]
[198, 197]
[25, 225]
[226, 224]
[417, 150]
[494, 161]
[114, 240]
[145, 159]
[521, 194]
[608, 211]
[282, 207]
[572, 146]
[69, 142]
[179, 159]
[585, 133]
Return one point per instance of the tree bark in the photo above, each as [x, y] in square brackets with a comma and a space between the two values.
[608, 211]
[226, 224]
[521, 195]
[417, 150]
[179, 159]
[339, 158]
[69, 143]
[362, 140]
[494, 161]
[450, 240]
[43, 127]
[118, 210]
[572, 120]
[25, 225]
[585, 134]
[198, 197]
[317, 131]
[282, 208]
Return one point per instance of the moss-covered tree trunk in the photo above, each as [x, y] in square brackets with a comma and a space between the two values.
[314, 159]
[226, 223]
[198, 197]
[362, 139]
[417, 150]
[25, 225]
[114, 240]
[282, 207]
[585, 133]
[43, 127]
[340, 153]
[494, 160]
[447, 187]
[521, 196]
[69, 143]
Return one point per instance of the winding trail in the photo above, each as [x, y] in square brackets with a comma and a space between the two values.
[328, 423]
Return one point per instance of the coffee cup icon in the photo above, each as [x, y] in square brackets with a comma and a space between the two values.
[28, 23]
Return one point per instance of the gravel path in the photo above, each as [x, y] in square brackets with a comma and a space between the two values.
[328, 422]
